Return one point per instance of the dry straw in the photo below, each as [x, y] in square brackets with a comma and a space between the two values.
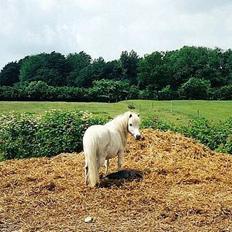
[185, 187]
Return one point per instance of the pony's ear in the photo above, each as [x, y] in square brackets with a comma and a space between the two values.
[130, 115]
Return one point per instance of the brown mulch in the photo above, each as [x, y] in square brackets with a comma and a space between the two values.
[172, 183]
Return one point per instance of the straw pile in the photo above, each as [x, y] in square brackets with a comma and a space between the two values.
[185, 187]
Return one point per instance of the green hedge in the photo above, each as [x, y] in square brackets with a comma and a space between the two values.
[217, 136]
[28, 135]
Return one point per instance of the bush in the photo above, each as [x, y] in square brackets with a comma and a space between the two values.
[199, 129]
[225, 135]
[109, 90]
[24, 135]
[224, 93]
[228, 145]
[195, 88]
[167, 93]
[27, 135]
[18, 135]
[9, 93]
[216, 136]
[156, 123]
[37, 90]
[147, 94]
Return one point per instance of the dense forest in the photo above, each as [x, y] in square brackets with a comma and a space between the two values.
[187, 73]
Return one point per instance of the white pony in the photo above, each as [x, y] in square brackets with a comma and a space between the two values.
[103, 142]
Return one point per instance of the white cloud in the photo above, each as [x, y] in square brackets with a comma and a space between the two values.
[106, 27]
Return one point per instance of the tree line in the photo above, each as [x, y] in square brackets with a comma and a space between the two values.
[186, 73]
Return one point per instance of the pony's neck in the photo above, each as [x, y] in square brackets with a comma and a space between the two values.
[120, 124]
[123, 133]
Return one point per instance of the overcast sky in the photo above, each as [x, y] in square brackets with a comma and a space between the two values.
[107, 27]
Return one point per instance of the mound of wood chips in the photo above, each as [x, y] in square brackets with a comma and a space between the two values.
[185, 187]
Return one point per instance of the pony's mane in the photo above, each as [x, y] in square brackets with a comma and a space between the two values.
[120, 120]
[120, 123]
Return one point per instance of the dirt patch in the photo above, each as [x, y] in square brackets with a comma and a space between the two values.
[170, 183]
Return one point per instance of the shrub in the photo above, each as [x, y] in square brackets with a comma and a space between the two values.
[131, 106]
[225, 135]
[9, 93]
[224, 93]
[109, 90]
[228, 145]
[199, 129]
[147, 94]
[37, 90]
[24, 135]
[167, 93]
[195, 88]
[216, 136]
[17, 135]
[157, 123]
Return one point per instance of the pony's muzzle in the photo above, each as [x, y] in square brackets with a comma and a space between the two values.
[138, 137]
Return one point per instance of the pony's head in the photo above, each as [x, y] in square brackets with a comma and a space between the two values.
[133, 125]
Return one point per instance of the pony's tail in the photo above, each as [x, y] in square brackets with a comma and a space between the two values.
[91, 166]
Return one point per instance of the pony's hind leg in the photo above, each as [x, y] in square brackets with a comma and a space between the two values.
[107, 164]
[86, 174]
[120, 160]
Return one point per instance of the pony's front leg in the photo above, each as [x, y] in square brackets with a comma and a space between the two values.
[86, 174]
[107, 164]
[120, 160]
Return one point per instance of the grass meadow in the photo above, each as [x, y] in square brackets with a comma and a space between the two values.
[177, 112]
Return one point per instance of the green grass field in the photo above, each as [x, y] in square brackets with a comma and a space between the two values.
[174, 111]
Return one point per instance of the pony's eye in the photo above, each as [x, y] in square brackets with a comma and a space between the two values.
[130, 124]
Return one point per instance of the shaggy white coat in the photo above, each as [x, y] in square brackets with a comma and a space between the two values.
[103, 142]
